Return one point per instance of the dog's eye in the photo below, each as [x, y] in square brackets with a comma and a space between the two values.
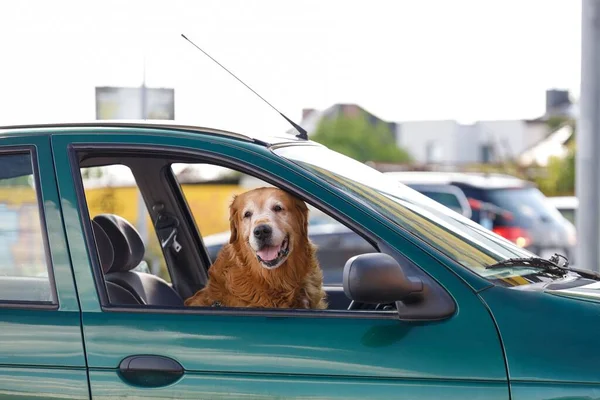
[247, 214]
[277, 208]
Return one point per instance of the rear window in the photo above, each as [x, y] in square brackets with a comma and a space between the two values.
[526, 204]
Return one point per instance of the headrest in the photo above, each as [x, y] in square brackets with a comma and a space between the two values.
[105, 250]
[127, 245]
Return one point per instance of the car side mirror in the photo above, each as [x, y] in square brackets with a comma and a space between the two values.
[378, 278]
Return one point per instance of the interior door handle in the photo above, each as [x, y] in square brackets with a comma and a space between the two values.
[150, 371]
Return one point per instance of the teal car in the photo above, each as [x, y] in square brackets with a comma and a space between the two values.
[437, 308]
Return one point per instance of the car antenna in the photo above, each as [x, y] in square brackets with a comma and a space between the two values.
[302, 134]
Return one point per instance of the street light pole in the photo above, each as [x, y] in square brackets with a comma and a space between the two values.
[587, 185]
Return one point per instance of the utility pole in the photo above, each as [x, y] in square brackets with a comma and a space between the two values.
[587, 185]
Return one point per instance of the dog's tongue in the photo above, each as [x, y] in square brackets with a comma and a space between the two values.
[268, 253]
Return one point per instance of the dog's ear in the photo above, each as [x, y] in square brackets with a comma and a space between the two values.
[303, 212]
[233, 216]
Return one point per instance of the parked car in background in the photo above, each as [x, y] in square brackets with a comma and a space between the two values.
[566, 205]
[448, 195]
[513, 208]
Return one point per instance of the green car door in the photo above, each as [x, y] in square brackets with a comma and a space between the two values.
[186, 353]
[41, 348]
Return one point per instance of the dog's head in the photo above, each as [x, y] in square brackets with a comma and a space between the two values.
[271, 224]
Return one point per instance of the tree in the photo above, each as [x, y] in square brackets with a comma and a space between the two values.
[560, 175]
[357, 138]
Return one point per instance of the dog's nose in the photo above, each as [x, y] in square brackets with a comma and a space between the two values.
[263, 231]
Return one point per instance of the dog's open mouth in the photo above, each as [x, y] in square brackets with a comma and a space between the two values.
[271, 256]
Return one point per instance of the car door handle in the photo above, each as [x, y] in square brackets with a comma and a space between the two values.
[150, 371]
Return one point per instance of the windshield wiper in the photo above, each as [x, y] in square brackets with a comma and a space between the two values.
[551, 265]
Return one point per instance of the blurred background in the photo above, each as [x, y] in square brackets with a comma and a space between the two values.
[473, 103]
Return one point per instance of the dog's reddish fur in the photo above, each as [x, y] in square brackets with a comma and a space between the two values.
[237, 279]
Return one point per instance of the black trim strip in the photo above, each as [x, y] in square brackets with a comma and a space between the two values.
[243, 312]
[185, 210]
[31, 151]
[28, 305]
[87, 226]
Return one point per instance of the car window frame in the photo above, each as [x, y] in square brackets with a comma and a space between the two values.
[54, 304]
[197, 155]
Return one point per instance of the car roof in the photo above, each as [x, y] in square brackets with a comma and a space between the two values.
[265, 139]
[475, 179]
[564, 201]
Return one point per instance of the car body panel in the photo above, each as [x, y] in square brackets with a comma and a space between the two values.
[37, 338]
[265, 346]
[323, 346]
[544, 335]
[552, 391]
[43, 383]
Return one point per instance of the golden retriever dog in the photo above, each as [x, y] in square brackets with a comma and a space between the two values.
[269, 261]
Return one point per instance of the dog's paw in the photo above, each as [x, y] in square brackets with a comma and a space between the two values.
[305, 303]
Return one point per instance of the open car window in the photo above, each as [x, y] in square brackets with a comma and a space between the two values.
[159, 226]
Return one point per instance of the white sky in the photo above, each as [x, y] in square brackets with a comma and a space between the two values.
[401, 60]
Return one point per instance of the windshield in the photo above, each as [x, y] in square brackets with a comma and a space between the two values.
[458, 237]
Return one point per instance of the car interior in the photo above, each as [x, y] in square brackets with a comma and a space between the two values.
[120, 250]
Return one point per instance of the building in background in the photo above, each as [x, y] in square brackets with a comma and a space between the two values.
[553, 145]
[448, 142]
